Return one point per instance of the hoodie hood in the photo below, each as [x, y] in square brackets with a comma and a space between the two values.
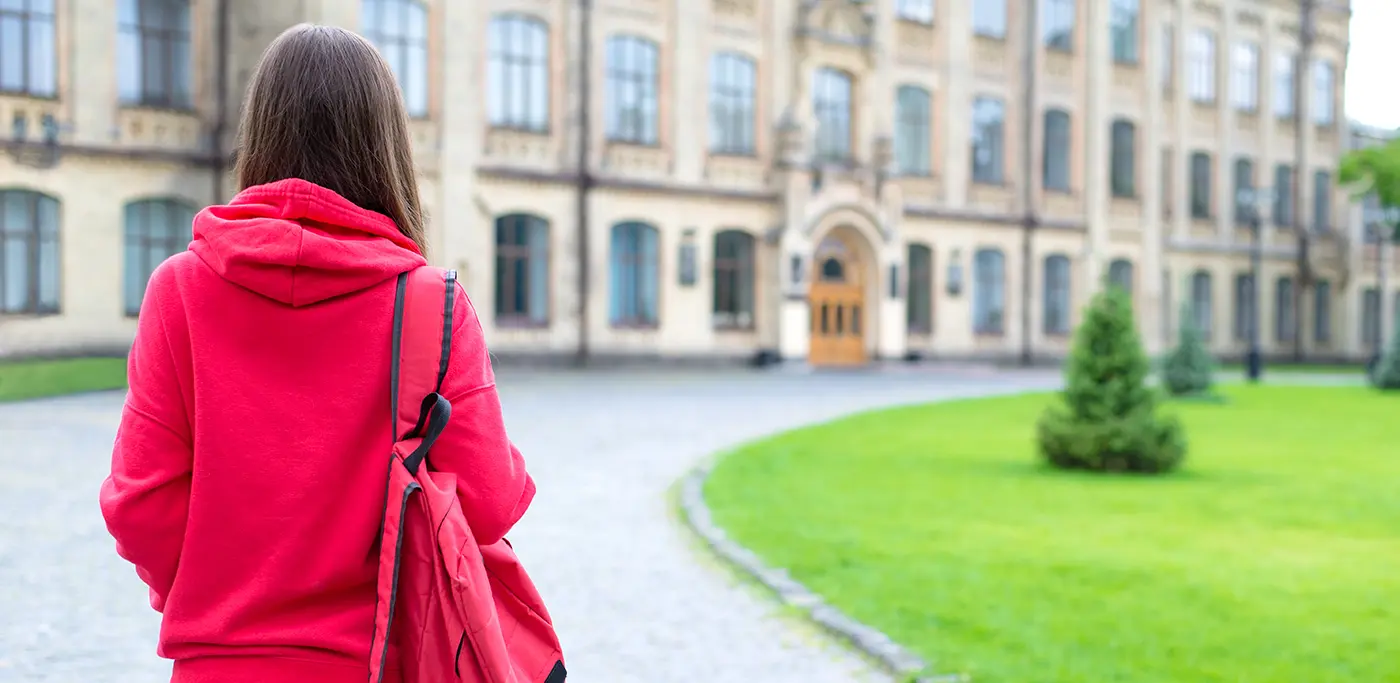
[299, 243]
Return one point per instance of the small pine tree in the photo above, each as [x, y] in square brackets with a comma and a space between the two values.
[1108, 421]
[1386, 375]
[1189, 370]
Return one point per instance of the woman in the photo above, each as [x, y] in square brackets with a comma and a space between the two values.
[250, 466]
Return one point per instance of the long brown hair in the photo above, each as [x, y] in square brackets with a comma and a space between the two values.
[323, 106]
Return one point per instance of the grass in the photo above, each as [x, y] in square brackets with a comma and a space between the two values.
[1285, 368]
[34, 379]
[1271, 557]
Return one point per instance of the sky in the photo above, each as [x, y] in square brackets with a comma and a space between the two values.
[1372, 79]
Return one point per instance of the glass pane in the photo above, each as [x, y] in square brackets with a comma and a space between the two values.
[16, 274]
[128, 66]
[11, 53]
[416, 80]
[539, 273]
[43, 79]
[840, 319]
[181, 86]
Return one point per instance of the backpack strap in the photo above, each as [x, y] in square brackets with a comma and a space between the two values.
[422, 347]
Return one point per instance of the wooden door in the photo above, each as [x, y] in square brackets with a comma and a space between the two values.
[838, 311]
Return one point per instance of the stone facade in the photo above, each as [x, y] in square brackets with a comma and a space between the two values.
[795, 177]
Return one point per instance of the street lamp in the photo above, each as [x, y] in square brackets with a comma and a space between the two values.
[1248, 200]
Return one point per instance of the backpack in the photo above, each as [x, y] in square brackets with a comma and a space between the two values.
[448, 609]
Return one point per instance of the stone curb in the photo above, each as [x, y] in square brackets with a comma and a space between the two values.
[904, 664]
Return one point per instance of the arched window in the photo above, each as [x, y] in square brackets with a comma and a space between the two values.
[988, 140]
[1201, 203]
[919, 304]
[29, 261]
[399, 28]
[989, 292]
[1057, 301]
[28, 65]
[1244, 306]
[913, 144]
[733, 82]
[632, 83]
[1056, 161]
[1202, 311]
[522, 270]
[734, 288]
[154, 64]
[155, 230]
[1123, 173]
[517, 73]
[1120, 275]
[634, 280]
[831, 104]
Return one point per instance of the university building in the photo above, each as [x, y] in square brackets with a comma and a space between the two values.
[834, 181]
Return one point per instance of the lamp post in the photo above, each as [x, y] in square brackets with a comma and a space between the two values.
[1248, 201]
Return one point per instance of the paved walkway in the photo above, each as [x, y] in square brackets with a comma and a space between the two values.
[634, 597]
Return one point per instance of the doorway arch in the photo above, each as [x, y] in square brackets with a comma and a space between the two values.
[842, 322]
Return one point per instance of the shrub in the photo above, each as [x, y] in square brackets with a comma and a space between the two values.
[1189, 370]
[1386, 374]
[1108, 421]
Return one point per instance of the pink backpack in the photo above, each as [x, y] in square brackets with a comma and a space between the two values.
[449, 609]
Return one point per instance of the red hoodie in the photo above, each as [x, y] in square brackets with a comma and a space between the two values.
[250, 467]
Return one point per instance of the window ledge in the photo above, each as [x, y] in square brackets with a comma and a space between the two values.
[635, 326]
[516, 323]
[25, 95]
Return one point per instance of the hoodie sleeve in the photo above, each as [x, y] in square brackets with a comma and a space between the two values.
[492, 484]
[145, 500]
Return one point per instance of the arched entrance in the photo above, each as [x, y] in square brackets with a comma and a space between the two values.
[840, 319]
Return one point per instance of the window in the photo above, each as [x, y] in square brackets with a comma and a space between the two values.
[915, 10]
[1244, 307]
[919, 303]
[1201, 312]
[399, 28]
[1322, 201]
[1201, 66]
[153, 53]
[1056, 295]
[989, 292]
[1284, 77]
[633, 289]
[1244, 180]
[1167, 74]
[1123, 24]
[632, 109]
[1056, 158]
[1283, 310]
[155, 230]
[988, 153]
[29, 258]
[1322, 312]
[734, 288]
[831, 104]
[1123, 180]
[912, 143]
[517, 73]
[1120, 275]
[733, 79]
[1200, 185]
[989, 18]
[1283, 195]
[1057, 24]
[1324, 77]
[1371, 316]
[28, 55]
[522, 270]
[1244, 79]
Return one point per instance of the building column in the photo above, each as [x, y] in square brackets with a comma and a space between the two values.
[1099, 65]
[1225, 118]
[956, 26]
[1150, 282]
[465, 238]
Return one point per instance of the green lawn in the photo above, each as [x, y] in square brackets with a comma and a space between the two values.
[1273, 556]
[33, 379]
[1284, 368]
